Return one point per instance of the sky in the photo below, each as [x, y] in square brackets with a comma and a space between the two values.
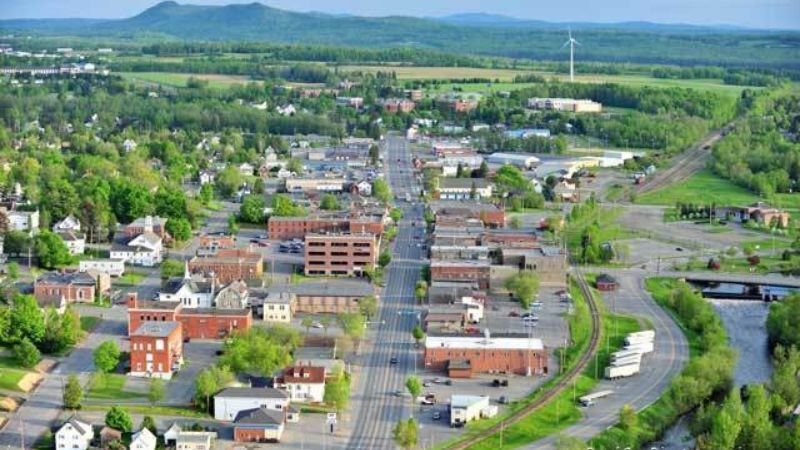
[784, 14]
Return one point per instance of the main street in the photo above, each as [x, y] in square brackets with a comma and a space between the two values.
[376, 408]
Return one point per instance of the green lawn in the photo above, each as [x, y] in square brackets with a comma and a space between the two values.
[154, 410]
[88, 323]
[562, 411]
[10, 378]
[129, 279]
[110, 387]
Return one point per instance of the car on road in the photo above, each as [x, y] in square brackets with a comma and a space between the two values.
[263, 244]
[678, 249]
[393, 360]
[401, 393]
[262, 236]
[513, 314]
[437, 415]
[536, 305]
[428, 399]
[317, 325]
[254, 241]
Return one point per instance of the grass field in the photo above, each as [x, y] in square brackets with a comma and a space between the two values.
[110, 386]
[130, 279]
[10, 374]
[706, 187]
[179, 79]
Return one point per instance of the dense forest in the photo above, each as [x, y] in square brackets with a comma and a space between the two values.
[762, 153]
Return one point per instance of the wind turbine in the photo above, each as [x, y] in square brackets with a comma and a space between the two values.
[571, 42]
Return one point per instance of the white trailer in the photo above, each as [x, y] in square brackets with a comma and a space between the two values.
[643, 347]
[624, 354]
[612, 373]
[589, 399]
[632, 359]
[631, 340]
[647, 333]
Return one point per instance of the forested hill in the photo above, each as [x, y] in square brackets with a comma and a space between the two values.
[630, 42]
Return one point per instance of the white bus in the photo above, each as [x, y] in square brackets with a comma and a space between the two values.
[588, 400]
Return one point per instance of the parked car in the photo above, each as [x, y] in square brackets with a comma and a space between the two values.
[513, 314]
[536, 305]
[317, 325]
[502, 400]
[439, 380]
[393, 360]
[263, 244]
[254, 241]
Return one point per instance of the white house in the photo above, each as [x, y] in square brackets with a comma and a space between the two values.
[231, 401]
[145, 249]
[206, 177]
[195, 440]
[129, 145]
[565, 191]
[69, 223]
[287, 110]
[191, 293]
[143, 440]
[464, 188]
[76, 243]
[522, 160]
[110, 267]
[23, 220]
[277, 307]
[246, 169]
[74, 435]
[466, 408]
[303, 383]
[364, 188]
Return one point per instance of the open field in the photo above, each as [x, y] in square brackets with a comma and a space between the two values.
[706, 187]
[111, 386]
[179, 79]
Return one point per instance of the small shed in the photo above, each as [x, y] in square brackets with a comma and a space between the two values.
[459, 368]
[606, 283]
[109, 435]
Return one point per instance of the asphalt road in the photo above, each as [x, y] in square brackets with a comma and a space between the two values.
[375, 409]
[658, 368]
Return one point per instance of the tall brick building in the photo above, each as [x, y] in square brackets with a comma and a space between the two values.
[229, 265]
[297, 227]
[478, 272]
[196, 323]
[156, 349]
[340, 254]
[464, 355]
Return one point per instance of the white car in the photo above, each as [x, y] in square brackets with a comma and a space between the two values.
[317, 325]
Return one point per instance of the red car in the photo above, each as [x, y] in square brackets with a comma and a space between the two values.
[263, 244]
[513, 314]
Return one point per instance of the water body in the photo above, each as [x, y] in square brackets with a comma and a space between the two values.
[745, 322]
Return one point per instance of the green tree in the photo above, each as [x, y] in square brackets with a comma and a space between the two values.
[170, 202]
[329, 202]
[17, 243]
[206, 195]
[418, 333]
[628, 419]
[782, 326]
[119, 419]
[26, 354]
[179, 228]
[294, 165]
[27, 319]
[61, 331]
[50, 250]
[757, 430]
[172, 268]
[396, 214]
[564, 442]
[368, 306]
[13, 271]
[523, 286]
[228, 181]
[381, 190]
[208, 382]
[352, 325]
[384, 259]
[421, 290]
[252, 209]
[337, 390]
[259, 350]
[149, 423]
[156, 391]
[405, 434]
[725, 425]
[106, 356]
[307, 323]
[283, 206]
[73, 393]
[233, 225]
[414, 387]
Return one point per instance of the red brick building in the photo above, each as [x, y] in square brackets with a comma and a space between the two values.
[509, 240]
[464, 355]
[72, 286]
[394, 106]
[229, 265]
[283, 228]
[157, 225]
[340, 254]
[217, 241]
[478, 272]
[492, 216]
[196, 323]
[156, 349]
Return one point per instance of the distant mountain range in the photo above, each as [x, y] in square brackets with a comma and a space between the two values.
[474, 33]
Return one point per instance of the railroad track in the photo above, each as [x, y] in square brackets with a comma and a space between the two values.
[564, 383]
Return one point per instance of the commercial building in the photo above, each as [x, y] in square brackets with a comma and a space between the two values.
[464, 189]
[309, 185]
[502, 353]
[229, 265]
[259, 425]
[340, 254]
[522, 160]
[549, 263]
[71, 286]
[196, 323]
[297, 227]
[393, 106]
[156, 349]
[229, 402]
[565, 104]
[217, 241]
[329, 296]
[467, 408]
[111, 267]
[478, 272]
[492, 216]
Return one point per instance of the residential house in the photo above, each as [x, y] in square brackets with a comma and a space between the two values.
[143, 440]
[464, 189]
[236, 295]
[286, 110]
[207, 177]
[129, 145]
[190, 292]
[276, 307]
[229, 402]
[75, 242]
[152, 224]
[363, 188]
[23, 220]
[156, 349]
[246, 169]
[69, 223]
[259, 425]
[195, 440]
[145, 249]
[74, 435]
[565, 191]
[109, 435]
[305, 384]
